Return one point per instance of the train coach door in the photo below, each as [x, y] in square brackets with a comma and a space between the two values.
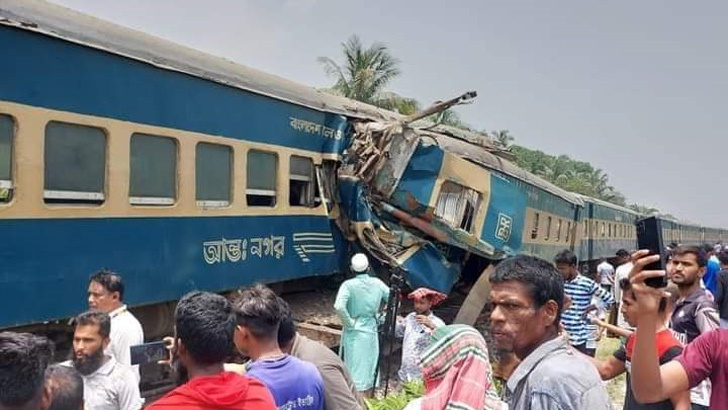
[574, 231]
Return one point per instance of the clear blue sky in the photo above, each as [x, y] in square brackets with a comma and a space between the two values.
[637, 88]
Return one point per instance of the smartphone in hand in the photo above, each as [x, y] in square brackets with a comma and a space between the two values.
[649, 236]
[149, 353]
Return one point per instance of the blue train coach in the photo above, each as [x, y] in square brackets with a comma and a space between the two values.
[180, 170]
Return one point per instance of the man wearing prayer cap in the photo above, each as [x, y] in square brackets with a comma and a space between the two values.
[358, 304]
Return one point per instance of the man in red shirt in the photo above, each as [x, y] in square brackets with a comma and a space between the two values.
[705, 357]
[205, 324]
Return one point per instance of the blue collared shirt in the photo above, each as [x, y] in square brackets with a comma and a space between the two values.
[555, 377]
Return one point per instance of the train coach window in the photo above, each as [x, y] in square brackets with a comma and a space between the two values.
[558, 230]
[457, 205]
[604, 229]
[548, 228]
[301, 182]
[213, 175]
[534, 231]
[153, 170]
[75, 164]
[568, 231]
[7, 129]
[262, 175]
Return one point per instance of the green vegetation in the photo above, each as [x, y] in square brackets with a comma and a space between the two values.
[364, 74]
[399, 400]
[615, 387]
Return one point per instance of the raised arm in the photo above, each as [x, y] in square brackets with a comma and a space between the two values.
[681, 400]
[650, 381]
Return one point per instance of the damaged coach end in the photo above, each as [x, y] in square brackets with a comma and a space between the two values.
[435, 201]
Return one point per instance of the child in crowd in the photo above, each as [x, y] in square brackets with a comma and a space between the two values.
[415, 329]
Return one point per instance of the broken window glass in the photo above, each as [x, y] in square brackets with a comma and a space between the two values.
[457, 205]
[301, 184]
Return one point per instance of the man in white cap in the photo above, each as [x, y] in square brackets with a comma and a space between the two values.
[358, 304]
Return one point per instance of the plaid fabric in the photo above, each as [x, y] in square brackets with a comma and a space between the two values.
[456, 370]
[435, 296]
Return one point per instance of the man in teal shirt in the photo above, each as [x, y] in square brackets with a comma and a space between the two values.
[358, 304]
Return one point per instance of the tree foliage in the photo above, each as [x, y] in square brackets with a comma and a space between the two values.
[364, 73]
[572, 175]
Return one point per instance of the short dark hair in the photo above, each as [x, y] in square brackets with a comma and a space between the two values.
[723, 257]
[257, 309]
[95, 318]
[205, 323]
[110, 280]
[626, 287]
[707, 247]
[622, 253]
[566, 257]
[700, 255]
[66, 387]
[24, 358]
[539, 276]
[286, 330]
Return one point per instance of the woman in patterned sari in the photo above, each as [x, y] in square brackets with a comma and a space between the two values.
[457, 373]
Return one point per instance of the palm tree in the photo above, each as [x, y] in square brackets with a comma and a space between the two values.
[364, 73]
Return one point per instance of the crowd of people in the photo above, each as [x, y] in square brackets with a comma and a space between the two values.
[546, 314]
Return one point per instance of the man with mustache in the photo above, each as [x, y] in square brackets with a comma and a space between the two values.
[527, 296]
[107, 384]
[694, 313]
[106, 293]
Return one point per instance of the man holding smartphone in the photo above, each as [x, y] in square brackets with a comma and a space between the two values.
[704, 358]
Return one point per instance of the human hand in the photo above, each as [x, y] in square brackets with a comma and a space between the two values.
[647, 298]
[588, 310]
[425, 321]
[169, 344]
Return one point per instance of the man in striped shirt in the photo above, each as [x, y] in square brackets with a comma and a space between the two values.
[580, 290]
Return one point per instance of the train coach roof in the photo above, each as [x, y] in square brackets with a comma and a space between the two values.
[482, 156]
[600, 202]
[61, 22]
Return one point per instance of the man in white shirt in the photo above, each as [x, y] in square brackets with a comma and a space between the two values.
[605, 272]
[107, 384]
[106, 293]
[624, 267]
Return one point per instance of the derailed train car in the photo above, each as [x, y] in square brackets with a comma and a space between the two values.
[441, 203]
